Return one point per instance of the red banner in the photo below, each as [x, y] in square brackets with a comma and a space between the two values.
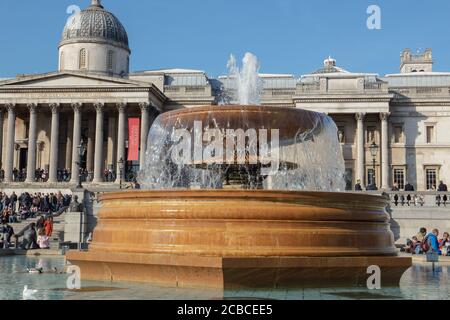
[133, 139]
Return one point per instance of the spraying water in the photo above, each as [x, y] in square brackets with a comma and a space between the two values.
[248, 84]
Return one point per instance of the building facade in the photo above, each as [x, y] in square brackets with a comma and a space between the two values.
[46, 118]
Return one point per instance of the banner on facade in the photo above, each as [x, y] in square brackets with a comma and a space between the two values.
[133, 139]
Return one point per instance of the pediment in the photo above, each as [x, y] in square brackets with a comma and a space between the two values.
[69, 79]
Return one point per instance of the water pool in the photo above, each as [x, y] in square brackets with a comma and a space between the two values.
[419, 282]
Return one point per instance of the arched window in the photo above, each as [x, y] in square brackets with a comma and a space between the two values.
[61, 61]
[110, 62]
[83, 59]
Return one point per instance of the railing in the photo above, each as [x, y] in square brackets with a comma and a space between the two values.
[419, 198]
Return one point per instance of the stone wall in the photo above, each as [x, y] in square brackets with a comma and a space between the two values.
[407, 221]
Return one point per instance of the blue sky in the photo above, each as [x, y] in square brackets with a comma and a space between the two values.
[288, 36]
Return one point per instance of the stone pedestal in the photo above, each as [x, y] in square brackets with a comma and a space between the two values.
[237, 238]
[75, 225]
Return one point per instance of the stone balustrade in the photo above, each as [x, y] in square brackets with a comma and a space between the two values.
[419, 198]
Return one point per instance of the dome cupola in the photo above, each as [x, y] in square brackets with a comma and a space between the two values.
[94, 40]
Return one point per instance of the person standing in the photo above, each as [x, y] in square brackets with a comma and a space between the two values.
[48, 226]
[358, 186]
[409, 188]
[442, 188]
[13, 199]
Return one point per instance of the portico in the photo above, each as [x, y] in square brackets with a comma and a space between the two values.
[77, 106]
[359, 104]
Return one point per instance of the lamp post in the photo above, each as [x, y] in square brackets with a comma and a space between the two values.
[81, 152]
[374, 151]
[120, 165]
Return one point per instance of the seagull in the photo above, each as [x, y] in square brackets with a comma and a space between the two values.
[28, 294]
[35, 270]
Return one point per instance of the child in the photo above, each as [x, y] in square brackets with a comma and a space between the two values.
[43, 240]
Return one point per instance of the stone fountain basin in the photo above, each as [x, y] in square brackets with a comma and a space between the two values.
[241, 238]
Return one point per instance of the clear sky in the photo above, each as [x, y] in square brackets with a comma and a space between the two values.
[288, 36]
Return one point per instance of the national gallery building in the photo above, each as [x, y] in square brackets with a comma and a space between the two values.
[45, 119]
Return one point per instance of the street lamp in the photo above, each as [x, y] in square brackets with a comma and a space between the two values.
[81, 152]
[121, 163]
[374, 151]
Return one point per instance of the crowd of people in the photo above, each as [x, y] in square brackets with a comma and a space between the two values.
[424, 243]
[65, 175]
[41, 175]
[41, 206]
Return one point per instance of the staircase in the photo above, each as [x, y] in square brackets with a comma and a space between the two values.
[58, 229]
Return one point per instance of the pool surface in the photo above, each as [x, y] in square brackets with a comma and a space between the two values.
[420, 282]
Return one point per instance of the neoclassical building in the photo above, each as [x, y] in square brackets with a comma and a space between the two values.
[44, 118]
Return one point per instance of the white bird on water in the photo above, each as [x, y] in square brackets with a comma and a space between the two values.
[28, 294]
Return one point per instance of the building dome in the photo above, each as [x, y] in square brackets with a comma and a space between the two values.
[95, 41]
[95, 24]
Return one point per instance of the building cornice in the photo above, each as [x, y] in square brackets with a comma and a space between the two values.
[409, 103]
[72, 89]
[340, 100]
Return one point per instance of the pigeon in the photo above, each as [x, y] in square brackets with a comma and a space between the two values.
[28, 294]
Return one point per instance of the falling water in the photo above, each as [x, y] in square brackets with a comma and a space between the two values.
[310, 156]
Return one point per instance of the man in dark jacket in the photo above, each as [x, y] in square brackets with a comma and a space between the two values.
[358, 186]
[409, 187]
[442, 188]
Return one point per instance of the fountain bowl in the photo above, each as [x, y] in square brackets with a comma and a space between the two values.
[241, 239]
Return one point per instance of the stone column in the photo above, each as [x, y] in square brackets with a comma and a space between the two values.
[69, 133]
[111, 146]
[98, 157]
[75, 171]
[32, 139]
[1, 137]
[145, 107]
[121, 107]
[10, 142]
[360, 157]
[384, 151]
[54, 144]
[90, 146]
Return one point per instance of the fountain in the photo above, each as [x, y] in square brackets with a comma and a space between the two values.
[242, 196]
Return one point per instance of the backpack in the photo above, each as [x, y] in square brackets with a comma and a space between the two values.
[425, 246]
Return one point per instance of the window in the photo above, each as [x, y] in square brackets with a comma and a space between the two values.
[430, 134]
[370, 134]
[431, 178]
[110, 63]
[83, 59]
[399, 178]
[398, 133]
